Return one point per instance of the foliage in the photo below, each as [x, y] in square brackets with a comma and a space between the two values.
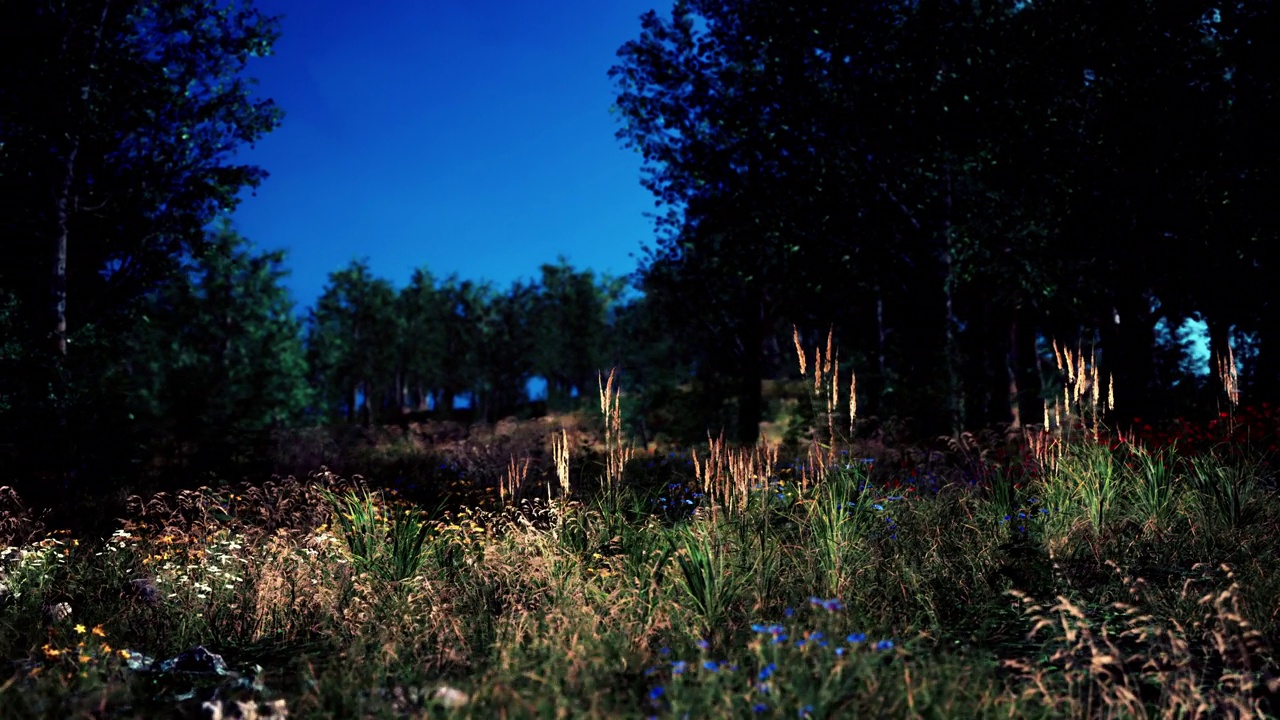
[218, 357]
[118, 125]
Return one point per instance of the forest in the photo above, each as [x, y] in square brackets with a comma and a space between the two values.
[951, 187]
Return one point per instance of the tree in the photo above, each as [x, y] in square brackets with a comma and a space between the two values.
[218, 359]
[352, 337]
[570, 324]
[118, 122]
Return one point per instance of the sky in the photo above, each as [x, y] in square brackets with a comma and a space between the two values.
[468, 136]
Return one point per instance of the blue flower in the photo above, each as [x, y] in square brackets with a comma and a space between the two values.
[839, 651]
[760, 707]
[884, 645]
[856, 638]
[711, 666]
[805, 711]
[789, 612]
[704, 644]
[831, 605]
[767, 671]
[656, 693]
[678, 667]
[664, 651]
[771, 629]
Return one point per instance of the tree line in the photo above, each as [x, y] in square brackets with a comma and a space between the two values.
[946, 185]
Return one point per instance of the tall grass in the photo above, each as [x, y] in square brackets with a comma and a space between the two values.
[722, 582]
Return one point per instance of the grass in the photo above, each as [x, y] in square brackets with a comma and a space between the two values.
[1077, 578]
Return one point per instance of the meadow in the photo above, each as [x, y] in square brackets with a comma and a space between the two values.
[1066, 570]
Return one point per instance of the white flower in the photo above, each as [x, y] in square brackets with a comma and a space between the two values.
[450, 697]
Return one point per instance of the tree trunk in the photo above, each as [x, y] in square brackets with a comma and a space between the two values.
[955, 397]
[882, 335]
[750, 401]
[1264, 381]
[58, 294]
[1128, 339]
[1219, 344]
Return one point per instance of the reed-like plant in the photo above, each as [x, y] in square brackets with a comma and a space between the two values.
[1153, 488]
[1099, 484]
[384, 542]
[839, 513]
[707, 573]
[1225, 487]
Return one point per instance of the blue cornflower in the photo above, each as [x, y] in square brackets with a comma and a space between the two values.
[767, 671]
[884, 645]
[771, 629]
[711, 666]
[656, 693]
[831, 605]
[878, 506]
[856, 638]
[664, 651]
[704, 644]
[839, 651]
[760, 708]
[789, 612]
[779, 639]
[805, 711]
[678, 667]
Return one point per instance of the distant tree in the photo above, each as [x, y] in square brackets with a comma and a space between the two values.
[464, 303]
[506, 351]
[352, 337]
[218, 359]
[423, 311]
[570, 323]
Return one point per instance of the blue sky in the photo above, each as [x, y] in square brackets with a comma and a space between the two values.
[470, 136]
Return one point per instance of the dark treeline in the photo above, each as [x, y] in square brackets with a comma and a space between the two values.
[945, 182]
[947, 185]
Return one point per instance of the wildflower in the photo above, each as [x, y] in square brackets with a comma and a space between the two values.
[656, 692]
[805, 711]
[678, 667]
[767, 671]
[711, 666]
[831, 605]
[856, 638]
[884, 645]
[770, 629]
[704, 644]
[760, 708]
[80, 629]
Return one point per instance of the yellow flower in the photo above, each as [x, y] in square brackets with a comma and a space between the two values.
[80, 629]
[84, 659]
[97, 630]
